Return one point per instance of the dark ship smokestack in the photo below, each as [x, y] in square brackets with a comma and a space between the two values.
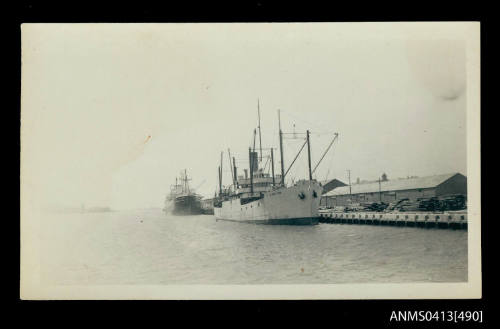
[254, 158]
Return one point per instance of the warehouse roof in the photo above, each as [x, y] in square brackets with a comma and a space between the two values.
[324, 182]
[393, 185]
[329, 185]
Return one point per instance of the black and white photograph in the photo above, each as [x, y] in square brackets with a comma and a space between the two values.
[250, 161]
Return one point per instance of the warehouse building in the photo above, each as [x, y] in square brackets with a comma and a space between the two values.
[329, 185]
[396, 189]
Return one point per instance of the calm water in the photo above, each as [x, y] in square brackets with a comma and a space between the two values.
[147, 247]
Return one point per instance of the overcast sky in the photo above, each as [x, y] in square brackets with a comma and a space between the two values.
[112, 113]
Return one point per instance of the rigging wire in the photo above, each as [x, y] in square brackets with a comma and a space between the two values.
[291, 141]
[298, 118]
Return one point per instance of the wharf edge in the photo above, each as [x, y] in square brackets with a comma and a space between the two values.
[413, 219]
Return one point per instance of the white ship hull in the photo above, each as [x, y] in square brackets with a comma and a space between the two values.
[295, 205]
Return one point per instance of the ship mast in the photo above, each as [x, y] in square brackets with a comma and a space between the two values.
[185, 179]
[220, 182]
[252, 168]
[220, 168]
[250, 157]
[254, 135]
[272, 165]
[232, 171]
[235, 174]
[281, 151]
[260, 134]
[309, 155]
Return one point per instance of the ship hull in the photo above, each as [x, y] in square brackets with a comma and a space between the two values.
[295, 205]
[277, 221]
[187, 205]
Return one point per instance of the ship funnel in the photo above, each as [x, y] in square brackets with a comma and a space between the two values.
[254, 158]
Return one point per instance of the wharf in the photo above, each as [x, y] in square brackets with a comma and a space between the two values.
[454, 220]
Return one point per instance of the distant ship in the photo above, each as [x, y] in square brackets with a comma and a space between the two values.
[182, 200]
[263, 198]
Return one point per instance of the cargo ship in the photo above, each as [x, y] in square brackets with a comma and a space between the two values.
[264, 198]
[182, 200]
